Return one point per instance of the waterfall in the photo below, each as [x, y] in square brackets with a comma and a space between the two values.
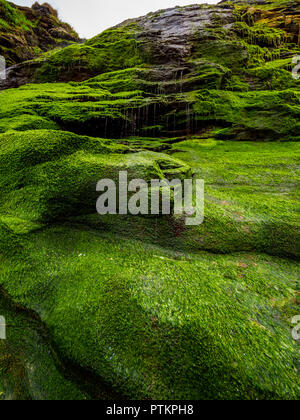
[181, 81]
[105, 129]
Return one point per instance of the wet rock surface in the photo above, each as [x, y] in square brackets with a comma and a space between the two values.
[171, 33]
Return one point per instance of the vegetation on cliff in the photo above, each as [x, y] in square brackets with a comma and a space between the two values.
[27, 32]
[146, 307]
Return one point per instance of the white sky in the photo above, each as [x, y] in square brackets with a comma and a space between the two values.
[90, 17]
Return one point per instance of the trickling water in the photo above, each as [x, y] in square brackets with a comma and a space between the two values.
[160, 90]
[105, 130]
[188, 117]
[181, 81]
[32, 359]
[139, 119]
[126, 121]
[134, 121]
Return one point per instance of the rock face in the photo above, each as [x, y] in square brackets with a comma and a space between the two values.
[240, 52]
[285, 16]
[167, 37]
[181, 39]
[26, 32]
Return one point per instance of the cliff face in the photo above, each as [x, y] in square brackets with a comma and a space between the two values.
[233, 35]
[26, 32]
[242, 52]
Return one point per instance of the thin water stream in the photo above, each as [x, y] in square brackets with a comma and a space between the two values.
[31, 368]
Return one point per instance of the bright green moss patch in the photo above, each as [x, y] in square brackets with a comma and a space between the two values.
[29, 368]
[52, 174]
[20, 150]
[251, 195]
[259, 115]
[231, 54]
[276, 74]
[114, 49]
[261, 34]
[160, 324]
[26, 122]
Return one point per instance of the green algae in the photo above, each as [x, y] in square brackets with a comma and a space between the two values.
[274, 75]
[261, 35]
[60, 172]
[151, 307]
[171, 321]
[252, 194]
[114, 49]
[99, 112]
[259, 115]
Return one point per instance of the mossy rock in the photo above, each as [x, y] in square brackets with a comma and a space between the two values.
[144, 306]
[167, 325]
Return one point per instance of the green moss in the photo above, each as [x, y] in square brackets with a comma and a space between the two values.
[276, 74]
[13, 17]
[269, 5]
[251, 195]
[261, 34]
[4, 24]
[9, 244]
[237, 83]
[26, 122]
[56, 163]
[86, 109]
[229, 53]
[29, 368]
[153, 329]
[265, 115]
[147, 305]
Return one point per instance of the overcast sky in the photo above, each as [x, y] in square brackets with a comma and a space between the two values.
[90, 17]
